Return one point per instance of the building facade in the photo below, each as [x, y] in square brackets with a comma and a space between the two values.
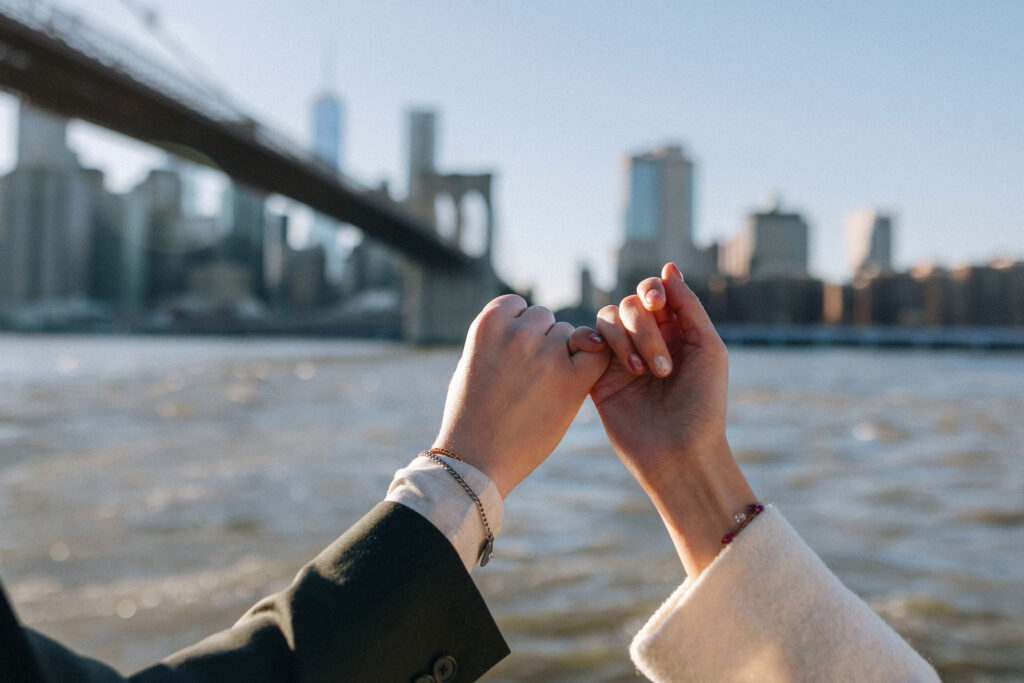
[327, 128]
[47, 217]
[772, 244]
[869, 234]
[658, 218]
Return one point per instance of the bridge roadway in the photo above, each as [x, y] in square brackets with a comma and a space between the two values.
[46, 56]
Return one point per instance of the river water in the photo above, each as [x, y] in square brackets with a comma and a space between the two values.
[151, 489]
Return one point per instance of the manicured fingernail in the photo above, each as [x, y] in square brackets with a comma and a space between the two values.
[596, 338]
[662, 366]
[636, 363]
[652, 296]
[674, 270]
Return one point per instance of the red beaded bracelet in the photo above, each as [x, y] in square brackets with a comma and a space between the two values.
[743, 519]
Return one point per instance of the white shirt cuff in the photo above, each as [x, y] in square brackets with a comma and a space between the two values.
[429, 489]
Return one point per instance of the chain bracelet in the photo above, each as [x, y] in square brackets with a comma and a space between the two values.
[487, 549]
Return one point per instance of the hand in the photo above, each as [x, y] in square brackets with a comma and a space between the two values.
[663, 397]
[663, 403]
[521, 380]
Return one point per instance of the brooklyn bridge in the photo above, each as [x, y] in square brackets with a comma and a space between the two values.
[56, 61]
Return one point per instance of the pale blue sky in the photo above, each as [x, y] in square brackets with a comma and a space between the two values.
[917, 106]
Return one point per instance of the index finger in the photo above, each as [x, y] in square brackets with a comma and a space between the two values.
[652, 293]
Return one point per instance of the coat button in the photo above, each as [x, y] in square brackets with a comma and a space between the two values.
[445, 668]
[425, 678]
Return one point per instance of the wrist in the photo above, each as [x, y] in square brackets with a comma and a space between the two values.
[697, 497]
[479, 458]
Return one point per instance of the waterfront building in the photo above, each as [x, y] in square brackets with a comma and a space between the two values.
[869, 240]
[422, 128]
[372, 266]
[151, 267]
[162, 242]
[244, 214]
[936, 293]
[105, 270]
[295, 279]
[305, 279]
[772, 244]
[658, 219]
[768, 300]
[888, 298]
[47, 217]
[979, 295]
[1012, 290]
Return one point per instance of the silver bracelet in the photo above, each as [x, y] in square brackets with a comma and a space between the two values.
[487, 549]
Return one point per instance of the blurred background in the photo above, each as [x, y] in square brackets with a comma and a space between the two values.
[241, 241]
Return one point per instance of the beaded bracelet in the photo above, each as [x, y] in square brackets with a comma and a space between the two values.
[743, 519]
[487, 549]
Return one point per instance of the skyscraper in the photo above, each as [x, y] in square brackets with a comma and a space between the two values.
[47, 216]
[328, 114]
[327, 126]
[422, 143]
[152, 252]
[658, 217]
[869, 240]
[244, 210]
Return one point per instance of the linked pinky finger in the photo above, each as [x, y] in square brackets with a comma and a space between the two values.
[586, 339]
[609, 326]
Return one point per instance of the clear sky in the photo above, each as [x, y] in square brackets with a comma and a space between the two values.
[916, 106]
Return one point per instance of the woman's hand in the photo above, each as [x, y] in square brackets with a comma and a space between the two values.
[663, 403]
[663, 397]
[521, 380]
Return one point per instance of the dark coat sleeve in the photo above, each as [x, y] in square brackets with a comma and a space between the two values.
[385, 602]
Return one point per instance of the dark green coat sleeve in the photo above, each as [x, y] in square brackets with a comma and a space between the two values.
[384, 602]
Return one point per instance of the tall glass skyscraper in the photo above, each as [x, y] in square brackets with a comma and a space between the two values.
[327, 127]
[658, 216]
[327, 115]
[643, 212]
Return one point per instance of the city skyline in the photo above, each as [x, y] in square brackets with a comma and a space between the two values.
[913, 109]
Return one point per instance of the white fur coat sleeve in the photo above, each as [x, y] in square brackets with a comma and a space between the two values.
[768, 609]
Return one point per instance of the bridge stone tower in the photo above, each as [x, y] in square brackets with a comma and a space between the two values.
[439, 304]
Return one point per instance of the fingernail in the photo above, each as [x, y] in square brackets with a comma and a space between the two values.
[662, 366]
[651, 296]
[596, 338]
[674, 270]
[636, 363]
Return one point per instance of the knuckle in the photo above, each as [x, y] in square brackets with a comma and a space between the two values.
[562, 327]
[540, 310]
[719, 351]
[648, 284]
[509, 298]
[630, 303]
[489, 318]
[523, 334]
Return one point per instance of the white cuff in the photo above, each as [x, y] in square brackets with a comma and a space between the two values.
[768, 609]
[427, 488]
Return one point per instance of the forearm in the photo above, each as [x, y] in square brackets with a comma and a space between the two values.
[697, 500]
[356, 613]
